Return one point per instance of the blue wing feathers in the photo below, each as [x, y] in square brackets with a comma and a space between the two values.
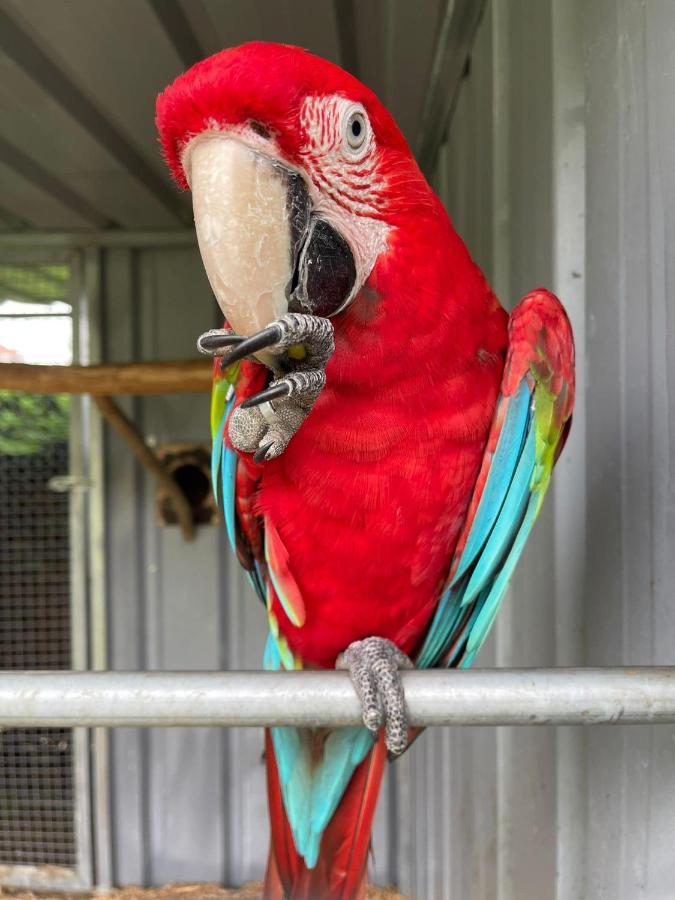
[448, 613]
[224, 470]
[503, 465]
[503, 520]
[507, 522]
[490, 608]
[229, 484]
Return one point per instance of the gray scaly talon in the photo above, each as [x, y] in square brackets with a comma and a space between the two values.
[265, 423]
[374, 666]
[304, 386]
[313, 332]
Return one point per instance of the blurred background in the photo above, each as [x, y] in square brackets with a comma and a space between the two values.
[548, 128]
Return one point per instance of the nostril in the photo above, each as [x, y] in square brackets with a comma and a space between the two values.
[260, 129]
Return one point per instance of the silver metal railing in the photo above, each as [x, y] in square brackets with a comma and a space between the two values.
[476, 697]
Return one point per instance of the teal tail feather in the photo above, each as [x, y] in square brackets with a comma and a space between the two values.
[338, 870]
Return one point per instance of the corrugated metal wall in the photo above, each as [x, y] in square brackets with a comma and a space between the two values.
[558, 171]
[631, 415]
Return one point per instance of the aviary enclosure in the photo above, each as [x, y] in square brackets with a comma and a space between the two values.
[546, 130]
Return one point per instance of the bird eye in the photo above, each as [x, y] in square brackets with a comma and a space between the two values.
[356, 129]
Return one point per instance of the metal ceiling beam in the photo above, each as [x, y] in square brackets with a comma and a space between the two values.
[32, 171]
[79, 239]
[345, 18]
[178, 29]
[458, 27]
[12, 221]
[19, 46]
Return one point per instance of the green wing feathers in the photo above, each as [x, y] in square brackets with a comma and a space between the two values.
[531, 423]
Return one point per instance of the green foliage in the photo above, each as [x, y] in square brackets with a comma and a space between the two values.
[31, 422]
[39, 283]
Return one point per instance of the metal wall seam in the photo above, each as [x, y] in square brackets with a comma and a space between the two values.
[98, 630]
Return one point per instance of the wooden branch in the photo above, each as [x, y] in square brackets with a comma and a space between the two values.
[127, 430]
[176, 377]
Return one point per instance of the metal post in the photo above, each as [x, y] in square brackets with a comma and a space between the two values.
[479, 697]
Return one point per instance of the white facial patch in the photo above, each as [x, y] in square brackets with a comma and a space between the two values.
[346, 186]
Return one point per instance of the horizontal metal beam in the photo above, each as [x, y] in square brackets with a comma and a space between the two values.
[80, 239]
[479, 697]
[11, 221]
[37, 175]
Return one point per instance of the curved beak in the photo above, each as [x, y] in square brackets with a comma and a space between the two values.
[264, 249]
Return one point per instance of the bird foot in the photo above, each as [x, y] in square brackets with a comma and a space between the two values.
[374, 665]
[300, 345]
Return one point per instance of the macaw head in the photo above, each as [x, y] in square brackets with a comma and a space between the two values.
[299, 179]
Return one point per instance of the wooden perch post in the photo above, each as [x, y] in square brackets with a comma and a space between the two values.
[176, 377]
[126, 429]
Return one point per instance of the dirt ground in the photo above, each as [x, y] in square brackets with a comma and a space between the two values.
[251, 891]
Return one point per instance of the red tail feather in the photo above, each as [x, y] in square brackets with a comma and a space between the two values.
[340, 873]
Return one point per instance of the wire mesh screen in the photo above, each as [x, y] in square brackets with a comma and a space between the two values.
[37, 798]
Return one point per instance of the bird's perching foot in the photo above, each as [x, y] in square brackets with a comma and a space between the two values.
[298, 347]
[374, 665]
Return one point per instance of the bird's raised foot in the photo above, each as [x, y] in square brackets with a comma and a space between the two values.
[298, 347]
[374, 665]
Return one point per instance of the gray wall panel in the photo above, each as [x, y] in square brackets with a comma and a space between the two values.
[630, 364]
[165, 599]
[183, 606]
[124, 558]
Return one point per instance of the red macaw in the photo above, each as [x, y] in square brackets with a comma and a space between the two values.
[381, 529]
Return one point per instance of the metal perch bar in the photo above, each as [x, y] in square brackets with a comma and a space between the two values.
[479, 697]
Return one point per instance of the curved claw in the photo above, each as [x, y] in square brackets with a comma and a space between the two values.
[283, 389]
[265, 338]
[212, 341]
[260, 454]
